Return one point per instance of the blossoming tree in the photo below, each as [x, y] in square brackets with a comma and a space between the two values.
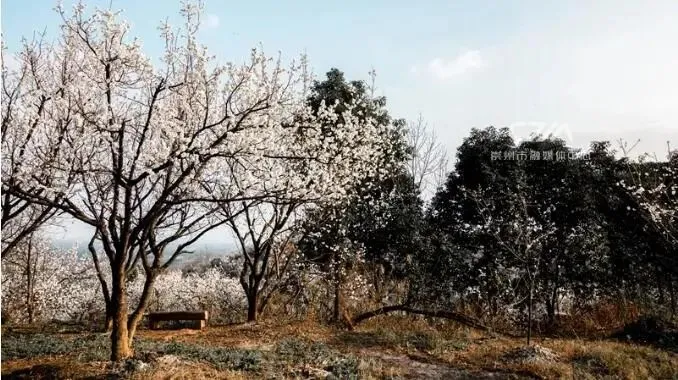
[40, 283]
[650, 188]
[20, 217]
[653, 184]
[144, 146]
[520, 230]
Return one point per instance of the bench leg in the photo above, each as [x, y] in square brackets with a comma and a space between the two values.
[199, 324]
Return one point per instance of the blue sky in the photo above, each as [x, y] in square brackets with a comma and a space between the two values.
[603, 69]
[585, 70]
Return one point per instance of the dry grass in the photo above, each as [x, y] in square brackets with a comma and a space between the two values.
[384, 347]
[579, 359]
[67, 368]
[189, 371]
[243, 335]
[473, 350]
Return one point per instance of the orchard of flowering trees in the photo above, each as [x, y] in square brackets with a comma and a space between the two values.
[40, 284]
[148, 153]
[323, 191]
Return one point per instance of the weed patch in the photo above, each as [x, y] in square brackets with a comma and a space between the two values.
[19, 346]
[319, 355]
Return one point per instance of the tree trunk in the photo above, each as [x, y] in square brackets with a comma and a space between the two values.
[250, 280]
[336, 314]
[138, 313]
[673, 300]
[551, 311]
[660, 287]
[529, 313]
[120, 347]
[336, 311]
[252, 299]
[29, 282]
[552, 302]
[263, 302]
[108, 324]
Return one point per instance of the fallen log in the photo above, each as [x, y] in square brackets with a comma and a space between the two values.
[451, 315]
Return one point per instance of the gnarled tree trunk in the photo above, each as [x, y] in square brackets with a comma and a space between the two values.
[120, 343]
[138, 314]
[252, 307]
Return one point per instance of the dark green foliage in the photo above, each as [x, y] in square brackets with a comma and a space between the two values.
[603, 244]
[650, 330]
[382, 215]
[387, 228]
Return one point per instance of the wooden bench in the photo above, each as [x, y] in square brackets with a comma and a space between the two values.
[201, 317]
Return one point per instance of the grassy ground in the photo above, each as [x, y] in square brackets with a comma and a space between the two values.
[383, 348]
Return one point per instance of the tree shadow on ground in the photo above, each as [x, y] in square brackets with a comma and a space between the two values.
[41, 371]
[54, 372]
[652, 331]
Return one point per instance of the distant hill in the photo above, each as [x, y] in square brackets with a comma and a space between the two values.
[203, 257]
[202, 253]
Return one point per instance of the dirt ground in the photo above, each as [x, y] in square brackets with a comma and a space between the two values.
[383, 348]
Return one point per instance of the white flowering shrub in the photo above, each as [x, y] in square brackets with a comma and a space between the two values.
[41, 284]
[653, 185]
[212, 290]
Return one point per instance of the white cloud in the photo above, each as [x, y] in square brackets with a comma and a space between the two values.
[211, 21]
[608, 75]
[444, 69]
